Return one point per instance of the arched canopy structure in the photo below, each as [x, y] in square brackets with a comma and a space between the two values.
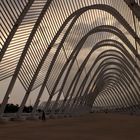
[87, 51]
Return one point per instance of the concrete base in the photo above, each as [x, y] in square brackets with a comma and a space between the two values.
[17, 119]
[52, 116]
[3, 120]
[32, 118]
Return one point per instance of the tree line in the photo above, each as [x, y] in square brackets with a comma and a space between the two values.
[12, 108]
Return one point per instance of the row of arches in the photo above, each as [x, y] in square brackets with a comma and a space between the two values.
[110, 79]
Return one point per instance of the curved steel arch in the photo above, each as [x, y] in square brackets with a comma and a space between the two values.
[97, 28]
[13, 80]
[127, 77]
[129, 91]
[82, 66]
[62, 43]
[122, 91]
[119, 99]
[63, 27]
[91, 80]
[89, 71]
[114, 96]
[5, 100]
[122, 77]
[75, 15]
[43, 59]
[18, 22]
[113, 82]
[134, 80]
[81, 45]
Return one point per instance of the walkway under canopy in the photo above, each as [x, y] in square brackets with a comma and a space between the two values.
[85, 53]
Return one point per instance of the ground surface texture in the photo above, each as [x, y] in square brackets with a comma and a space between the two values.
[86, 127]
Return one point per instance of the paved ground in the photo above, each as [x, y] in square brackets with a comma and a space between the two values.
[88, 127]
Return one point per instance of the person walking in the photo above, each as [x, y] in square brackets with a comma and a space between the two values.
[43, 116]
